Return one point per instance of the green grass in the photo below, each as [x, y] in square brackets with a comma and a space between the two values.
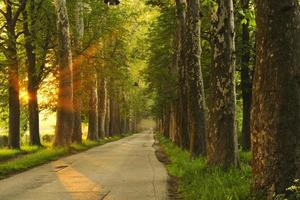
[35, 156]
[245, 157]
[87, 144]
[6, 154]
[198, 182]
[31, 160]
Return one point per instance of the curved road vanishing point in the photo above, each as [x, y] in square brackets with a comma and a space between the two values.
[123, 170]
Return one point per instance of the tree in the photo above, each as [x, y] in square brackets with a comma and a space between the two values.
[102, 97]
[65, 118]
[37, 43]
[32, 82]
[246, 80]
[196, 98]
[93, 122]
[11, 16]
[221, 139]
[182, 120]
[77, 130]
[275, 114]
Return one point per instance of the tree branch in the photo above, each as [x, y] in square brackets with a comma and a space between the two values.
[18, 12]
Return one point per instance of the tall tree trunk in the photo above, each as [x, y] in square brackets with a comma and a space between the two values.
[246, 80]
[118, 118]
[93, 119]
[64, 117]
[107, 116]
[33, 81]
[195, 80]
[173, 124]
[166, 120]
[13, 93]
[275, 114]
[127, 129]
[13, 74]
[77, 129]
[112, 117]
[174, 70]
[101, 87]
[182, 73]
[221, 140]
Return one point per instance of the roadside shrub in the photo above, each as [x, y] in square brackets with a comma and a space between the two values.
[3, 141]
[48, 138]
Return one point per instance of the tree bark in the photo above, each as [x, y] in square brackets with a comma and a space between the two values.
[113, 122]
[13, 74]
[173, 123]
[77, 129]
[275, 114]
[107, 116]
[13, 93]
[182, 76]
[64, 117]
[246, 80]
[118, 118]
[221, 140]
[167, 120]
[93, 119]
[195, 80]
[101, 87]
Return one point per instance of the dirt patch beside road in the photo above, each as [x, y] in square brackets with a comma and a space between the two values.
[173, 181]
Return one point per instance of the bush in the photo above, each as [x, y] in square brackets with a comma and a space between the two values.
[48, 138]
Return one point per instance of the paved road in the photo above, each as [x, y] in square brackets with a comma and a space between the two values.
[123, 170]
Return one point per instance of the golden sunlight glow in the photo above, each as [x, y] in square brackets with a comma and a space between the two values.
[2, 5]
[24, 97]
[79, 186]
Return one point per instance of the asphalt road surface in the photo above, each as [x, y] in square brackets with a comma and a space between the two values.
[123, 170]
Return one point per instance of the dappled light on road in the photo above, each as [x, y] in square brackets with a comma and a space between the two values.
[78, 185]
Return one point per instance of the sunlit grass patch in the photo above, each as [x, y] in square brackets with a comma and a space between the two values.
[198, 182]
[30, 160]
[6, 154]
[86, 144]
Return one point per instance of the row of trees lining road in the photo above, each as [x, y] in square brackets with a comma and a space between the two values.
[80, 59]
[219, 76]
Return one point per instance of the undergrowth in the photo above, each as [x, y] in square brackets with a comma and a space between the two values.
[199, 182]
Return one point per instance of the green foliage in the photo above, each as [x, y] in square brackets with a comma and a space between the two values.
[162, 82]
[293, 191]
[199, 182]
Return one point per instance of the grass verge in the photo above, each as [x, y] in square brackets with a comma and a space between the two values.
[36, 156]
[198, 182]
[6, 154]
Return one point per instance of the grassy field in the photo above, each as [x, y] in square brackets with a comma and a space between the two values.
[198, 182]
[14, 161]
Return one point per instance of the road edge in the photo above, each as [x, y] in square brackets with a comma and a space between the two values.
[172, 181]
